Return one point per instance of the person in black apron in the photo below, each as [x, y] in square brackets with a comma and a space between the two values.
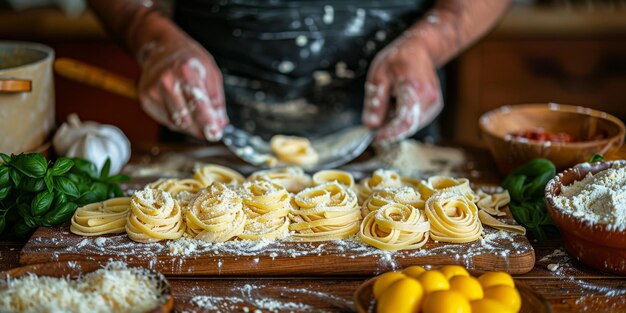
[305, 68]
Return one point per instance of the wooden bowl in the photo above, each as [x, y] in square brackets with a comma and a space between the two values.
[592, 244]
[510, 152]
[532, 302]
[74, 269]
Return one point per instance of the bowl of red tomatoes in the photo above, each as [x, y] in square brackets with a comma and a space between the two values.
[564, 134]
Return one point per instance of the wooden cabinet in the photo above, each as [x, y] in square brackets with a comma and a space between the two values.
[513, 67]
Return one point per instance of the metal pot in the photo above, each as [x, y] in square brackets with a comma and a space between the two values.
[26, 96]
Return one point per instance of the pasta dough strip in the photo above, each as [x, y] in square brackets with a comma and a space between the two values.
[325, 212]
[403, 195]
[107, 217]
[208, 174]
[453, 218]
[154, 216]
[215, 214]
[266, 205]
[493, 203]
[490, 221]
[436, 184]
[380, 179]
[395, 226]
[327, 176]
[292, 178]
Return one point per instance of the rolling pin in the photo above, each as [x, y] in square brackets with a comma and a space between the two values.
[96, 77]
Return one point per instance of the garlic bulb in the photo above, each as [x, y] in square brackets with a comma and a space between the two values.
[94, 142]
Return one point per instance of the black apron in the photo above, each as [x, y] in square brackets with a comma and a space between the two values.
[295, 67]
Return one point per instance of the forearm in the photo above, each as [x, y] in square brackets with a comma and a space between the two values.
[135, 24]
[453, 25]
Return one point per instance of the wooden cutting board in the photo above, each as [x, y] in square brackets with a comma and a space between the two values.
[498, 251]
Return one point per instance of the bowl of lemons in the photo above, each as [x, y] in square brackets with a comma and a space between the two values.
[449, 288]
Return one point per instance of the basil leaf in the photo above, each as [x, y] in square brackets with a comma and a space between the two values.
[537, 185]
[23, 210]
[33, 165]
[87, 198]
[41, 203]
[4, 175]
[106, 168]
[515, 185]
[85, 167]
[117, 191]
[4, 192]
[5, 158]
[66, 186]
[596, 158]
[520, 214]
[59, 199]
[3, 224]
[118, 179]
[33, 184]
[16, 177]
[59, 215]
[22, 230]
[101, 190]
[61, 166]
[49, 181]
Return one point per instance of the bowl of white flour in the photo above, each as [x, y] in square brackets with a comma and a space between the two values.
[588, 205]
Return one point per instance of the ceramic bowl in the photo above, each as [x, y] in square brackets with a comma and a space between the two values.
[592, 244]
[510, 152]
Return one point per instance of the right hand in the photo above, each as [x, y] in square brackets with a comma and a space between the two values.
[181, 88]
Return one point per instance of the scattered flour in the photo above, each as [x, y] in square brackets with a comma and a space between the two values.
[250, 295]
[433, 160]
[598, 199]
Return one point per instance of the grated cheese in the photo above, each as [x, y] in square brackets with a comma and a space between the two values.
[114, 288]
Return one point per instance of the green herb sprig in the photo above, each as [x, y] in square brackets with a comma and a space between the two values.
[526, 186]
[36, 192]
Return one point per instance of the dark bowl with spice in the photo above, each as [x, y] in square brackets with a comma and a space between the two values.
[564, 134]
[599, 245]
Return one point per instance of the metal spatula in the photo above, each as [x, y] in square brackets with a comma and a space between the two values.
[334, 149]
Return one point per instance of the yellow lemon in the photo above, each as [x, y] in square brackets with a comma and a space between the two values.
[453, 270]
[446, 301]
[468, 286]
[433, 280]
[506, 295]
[495, 279]
[489, 306]
[385, 280]
[413, 271]
[403, 296]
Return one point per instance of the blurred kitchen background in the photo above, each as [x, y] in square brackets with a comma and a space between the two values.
[570, 52]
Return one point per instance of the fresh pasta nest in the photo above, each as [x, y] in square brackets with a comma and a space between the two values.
[386, 210]
[154, 216]
[395, 226]
[266, 205]
[215, 214]
[325, 212]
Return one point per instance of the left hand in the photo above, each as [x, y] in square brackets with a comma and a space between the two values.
[406, 71]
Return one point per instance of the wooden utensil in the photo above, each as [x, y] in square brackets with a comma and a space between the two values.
[74, 269]
[96, 77]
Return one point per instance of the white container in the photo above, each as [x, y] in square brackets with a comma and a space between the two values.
[26, 116]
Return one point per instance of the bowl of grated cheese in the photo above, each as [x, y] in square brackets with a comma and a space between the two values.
[81, 286]
[588, 205]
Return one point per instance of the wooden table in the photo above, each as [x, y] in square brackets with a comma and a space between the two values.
[571, 287]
